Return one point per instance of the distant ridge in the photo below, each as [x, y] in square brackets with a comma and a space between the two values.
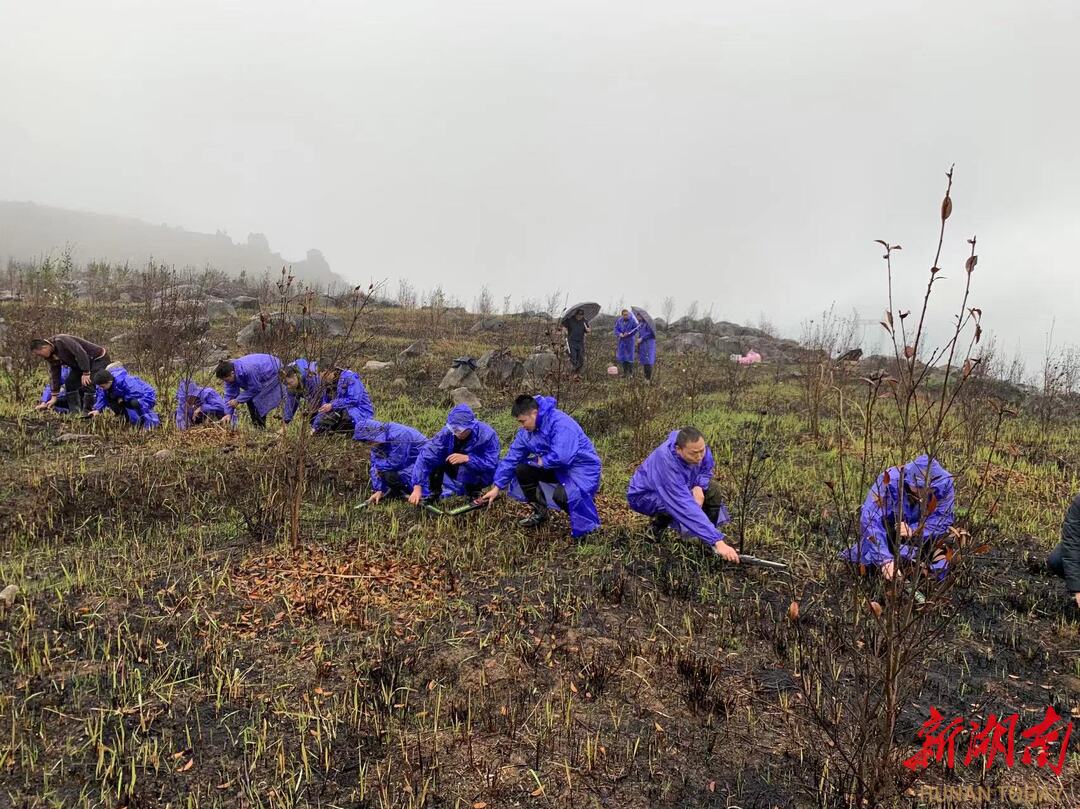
[29, 231]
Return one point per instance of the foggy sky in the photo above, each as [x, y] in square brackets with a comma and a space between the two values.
[740, 154]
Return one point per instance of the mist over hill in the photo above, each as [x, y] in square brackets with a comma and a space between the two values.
[29, 231]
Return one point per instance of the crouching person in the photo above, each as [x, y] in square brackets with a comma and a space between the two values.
[196, 405]
[905, 512]
[345, 401]
[459, 459]
[551, 463]
[127, 396]
[1064, 560]
[675, 487]
[394, 450]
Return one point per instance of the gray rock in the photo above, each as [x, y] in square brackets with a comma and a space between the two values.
[399, 382]
[854, 355]
[461, 376]
[163, 455]
[498, 367]
[689, 342]
[124, 298]
[8, 594]
[466, 397]
[245, 302]
[217, 309]
[263, 331]
[603, 321]
[488, 324]
[67, 437]
[375, 365]
[539, 365]
[417, 349]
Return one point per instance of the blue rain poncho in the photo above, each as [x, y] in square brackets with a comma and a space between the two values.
[257, 381]
[482, 446]
[309, 390]
[662, 484]
[564, 449]
[136, 397]
[879, 510]
[646, 350]
[47, 393]
[394, 448]
[349, 397]
[191, 396]
[625, 329]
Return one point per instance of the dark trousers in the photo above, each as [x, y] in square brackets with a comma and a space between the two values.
[435, 481]
[648, 371]
[530, 477]
[79, 397]
[256, 419]
[335, 422]
[627, 368]
[1055, 562]
[577, 356]
[395, 486]
[712, 505]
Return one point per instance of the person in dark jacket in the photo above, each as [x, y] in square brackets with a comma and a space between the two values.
[79, 355]
[1064, 560]
[576, 328]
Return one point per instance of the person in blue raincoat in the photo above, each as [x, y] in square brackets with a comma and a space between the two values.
[61, 405]
[303, 389]
[394, 450]
[252, 380]
[625, 329]
[459, 459]
[646, 348]
[197, 405]
[890, 524]
[675, 486]
[127, 396]
[551, 462]
[345, 401]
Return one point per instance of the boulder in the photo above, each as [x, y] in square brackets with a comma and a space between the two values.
[124, 298]
[854, 355]
[262, 330]
[399, 382]
[466, 397]
[245, 303]
[498, 367]
[163, 455]
[603, 322]
[417, 349]
[693, 341]
[461, 376]
[375, 365]
[660, 324]
[488, 324]
[727, 329]
[217, 309]
[8, 594]
[539, 365]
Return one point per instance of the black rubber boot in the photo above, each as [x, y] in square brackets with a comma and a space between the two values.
[536, 519]
[657, 526]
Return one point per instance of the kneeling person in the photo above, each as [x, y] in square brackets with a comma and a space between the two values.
[1064, 560]
[345, 401]
[551, 462]
[675, 485]
[394, 450]
[459, 459]
[197, 405]
[127, 396]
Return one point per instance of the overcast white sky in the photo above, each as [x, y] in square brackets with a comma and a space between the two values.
[742, 154]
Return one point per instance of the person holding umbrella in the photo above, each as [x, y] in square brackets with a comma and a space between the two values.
[645, 341]
[575, 322]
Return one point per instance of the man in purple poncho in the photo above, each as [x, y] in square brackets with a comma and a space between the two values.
[551, 463]
[625, 329]
[459, 459]
[345, 401]
[896, 527]
[394, 450]
[252, 380]
[646, 348]
[303, 389]
[197, 405]
[127, 396]
[675, 486]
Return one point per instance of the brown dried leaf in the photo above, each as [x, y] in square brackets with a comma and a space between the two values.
[875, 608]
[909, 352]
[793, 611]
[971, 262]
[946, 208]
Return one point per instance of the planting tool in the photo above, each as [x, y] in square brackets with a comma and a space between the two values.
[465, 509]
[747, 559]
[438, 512]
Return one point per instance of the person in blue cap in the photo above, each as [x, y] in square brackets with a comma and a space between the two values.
[460, 459]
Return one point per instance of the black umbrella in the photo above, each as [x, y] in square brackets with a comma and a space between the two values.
[591, 310]
[641, 314]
